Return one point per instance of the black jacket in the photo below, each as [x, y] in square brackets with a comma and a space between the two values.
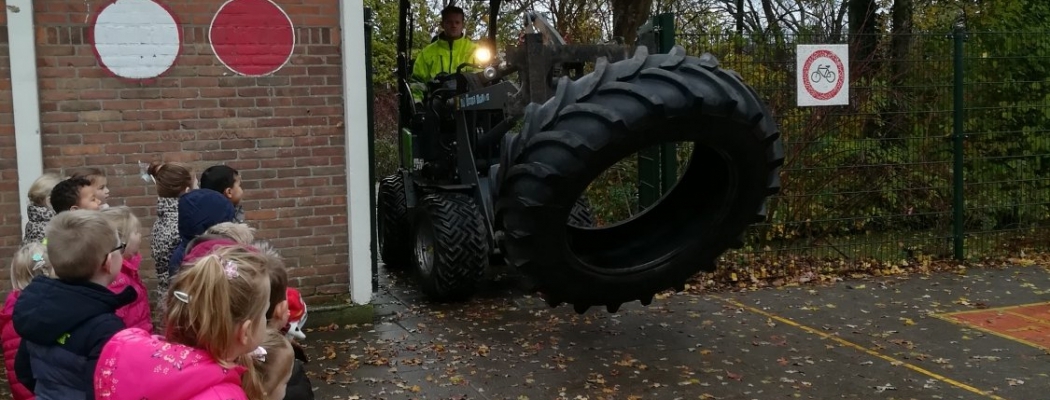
[299, 387]
[63, 328]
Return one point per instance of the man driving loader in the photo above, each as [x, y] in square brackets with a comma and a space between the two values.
[445, 54]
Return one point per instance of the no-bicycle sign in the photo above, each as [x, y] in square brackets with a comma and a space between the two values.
[823, 74]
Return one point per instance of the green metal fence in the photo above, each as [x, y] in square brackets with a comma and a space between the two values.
[943, 151]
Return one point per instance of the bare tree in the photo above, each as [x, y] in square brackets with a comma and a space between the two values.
[628, 16]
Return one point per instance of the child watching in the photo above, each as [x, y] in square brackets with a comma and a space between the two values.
[241, 233]
[225, 180]
[70, 318]
[276, 368]
[297, 384]
[39, 210]
[224, 234]
[136, 314]
[73, 194]
[277, 313]
[198, 210]
[173, 180]
[98, 182]
[27, 263]
[215, 318]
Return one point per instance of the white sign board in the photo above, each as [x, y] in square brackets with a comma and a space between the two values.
[823, 74]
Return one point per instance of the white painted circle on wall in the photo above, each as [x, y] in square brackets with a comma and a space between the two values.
[136, 39]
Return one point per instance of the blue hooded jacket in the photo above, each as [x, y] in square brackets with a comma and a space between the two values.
[198, 210]
[64, 326]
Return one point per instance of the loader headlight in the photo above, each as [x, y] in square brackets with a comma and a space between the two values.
[483, 55]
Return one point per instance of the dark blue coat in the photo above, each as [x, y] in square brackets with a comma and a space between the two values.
[198, 210]
[63, 328]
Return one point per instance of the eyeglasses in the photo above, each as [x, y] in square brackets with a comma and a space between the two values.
[120, 247]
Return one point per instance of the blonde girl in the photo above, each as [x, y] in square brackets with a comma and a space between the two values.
[39, 208]
[274, 365]
[242, 233]
[29, 262]
[215, 319]
[138, 313]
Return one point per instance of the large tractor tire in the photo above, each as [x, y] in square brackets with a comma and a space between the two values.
[395, 240]
[451, 246]
[608, 115]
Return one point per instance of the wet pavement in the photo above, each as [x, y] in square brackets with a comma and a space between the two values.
[879, 338]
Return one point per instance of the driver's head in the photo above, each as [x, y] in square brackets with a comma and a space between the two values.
[452, 21]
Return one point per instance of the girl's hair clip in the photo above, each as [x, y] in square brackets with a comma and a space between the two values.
[259, 354]
[181, 296]
[38, 257]
[144, 172]
[230, 269]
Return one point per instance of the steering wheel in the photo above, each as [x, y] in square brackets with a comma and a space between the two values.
[459, 69]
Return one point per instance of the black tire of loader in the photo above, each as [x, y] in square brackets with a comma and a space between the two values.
[455, 227]
[605, 116]
[394, 230]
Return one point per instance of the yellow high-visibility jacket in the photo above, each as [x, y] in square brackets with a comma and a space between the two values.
[440, 56]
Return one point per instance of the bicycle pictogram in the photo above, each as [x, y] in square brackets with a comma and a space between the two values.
[823, 72]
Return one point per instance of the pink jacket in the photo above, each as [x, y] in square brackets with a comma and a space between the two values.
[136, 314]
[11, 341]
[135, 365]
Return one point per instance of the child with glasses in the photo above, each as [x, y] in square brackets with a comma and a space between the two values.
[65, 322]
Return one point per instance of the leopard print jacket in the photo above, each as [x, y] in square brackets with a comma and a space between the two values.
[165, 238]
[39, 216]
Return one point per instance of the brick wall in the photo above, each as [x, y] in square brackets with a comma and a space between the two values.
[283, 131]
[10, 213]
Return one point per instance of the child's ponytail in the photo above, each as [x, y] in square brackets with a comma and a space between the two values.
[173, 178]
[29, 261]
[208, 300]
[252, 381]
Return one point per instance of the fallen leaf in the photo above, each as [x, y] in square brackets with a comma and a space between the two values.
[734, 376]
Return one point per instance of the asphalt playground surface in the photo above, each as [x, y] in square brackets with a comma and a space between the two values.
[979, 335]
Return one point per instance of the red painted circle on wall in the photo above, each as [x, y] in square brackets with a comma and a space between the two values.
[252, 37]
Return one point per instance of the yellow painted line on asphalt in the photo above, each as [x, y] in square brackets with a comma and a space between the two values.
[863, 349]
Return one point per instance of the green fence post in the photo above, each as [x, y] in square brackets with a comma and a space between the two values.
[668, 151]
[658, 165]
[649, 158]
[958, 201]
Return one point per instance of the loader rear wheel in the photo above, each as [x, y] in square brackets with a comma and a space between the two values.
[394, 230]
[605, 116]
[451, 247]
